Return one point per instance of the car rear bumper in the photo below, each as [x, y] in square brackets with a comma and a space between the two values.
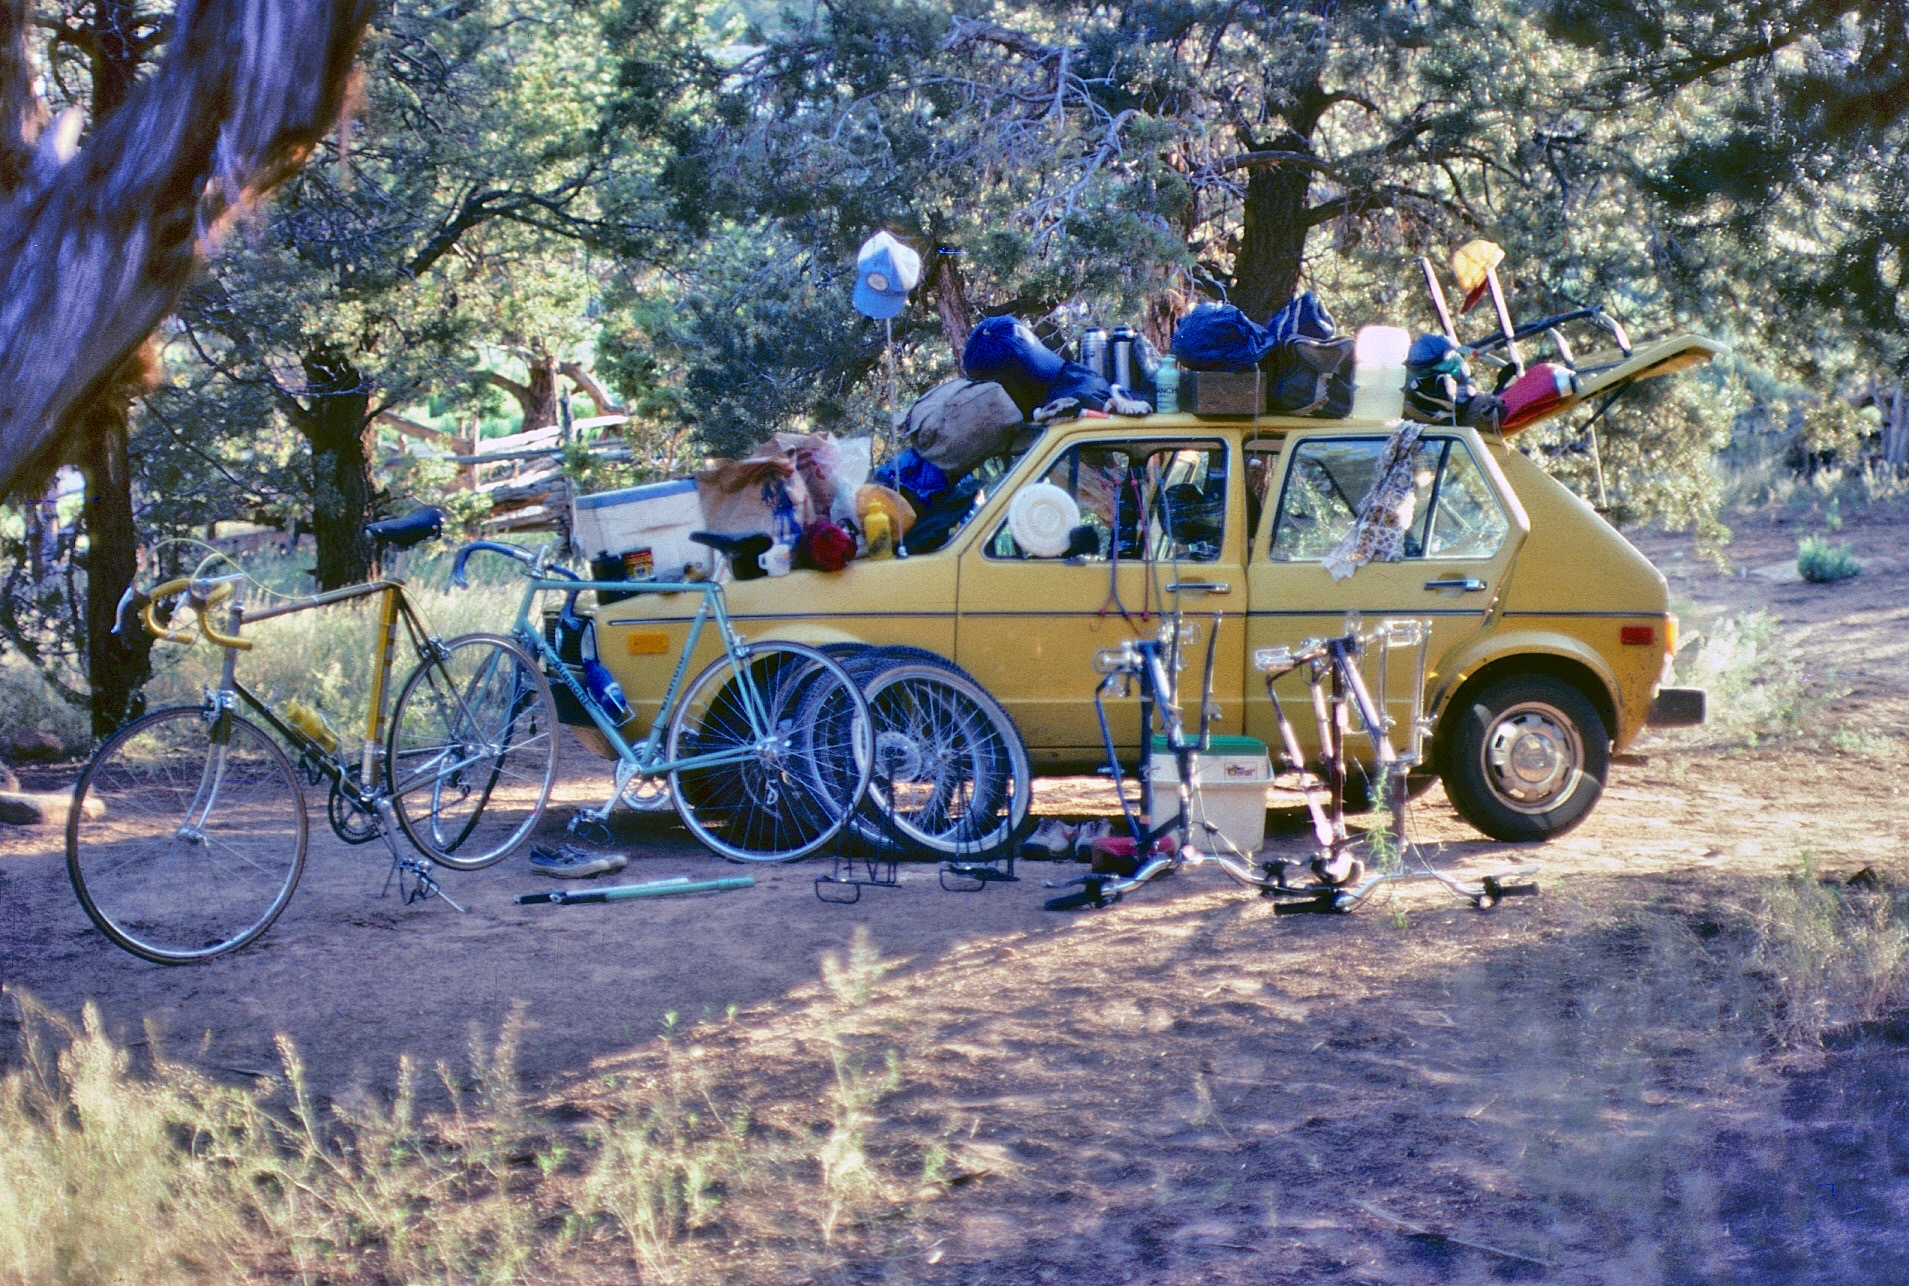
[1676, 708]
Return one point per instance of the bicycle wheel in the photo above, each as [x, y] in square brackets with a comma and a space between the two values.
[781, 749]
[186, 835]
[472, 752]
[951, 771]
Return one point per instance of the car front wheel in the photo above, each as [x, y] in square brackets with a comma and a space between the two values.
[1526, 758]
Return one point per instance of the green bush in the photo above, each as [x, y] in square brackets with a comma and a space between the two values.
[1822, 563]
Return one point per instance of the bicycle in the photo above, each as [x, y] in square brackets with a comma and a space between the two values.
[1340, 695]
[766, 753]
[196, 833]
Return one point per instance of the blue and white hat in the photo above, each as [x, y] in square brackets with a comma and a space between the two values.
[885, 271]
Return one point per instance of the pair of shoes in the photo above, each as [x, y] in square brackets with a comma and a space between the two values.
[570, 862]
[1052, 841]
[1086, 833]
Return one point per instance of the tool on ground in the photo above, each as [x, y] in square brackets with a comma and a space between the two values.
[624, 892]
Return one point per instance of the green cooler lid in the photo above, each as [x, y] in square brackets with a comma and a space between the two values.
[1221, 746]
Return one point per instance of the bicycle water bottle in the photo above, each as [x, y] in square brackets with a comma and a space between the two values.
[606, 692]
[1166, 387]
[309, 721]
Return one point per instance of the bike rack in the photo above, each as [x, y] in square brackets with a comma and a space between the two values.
[860, 864]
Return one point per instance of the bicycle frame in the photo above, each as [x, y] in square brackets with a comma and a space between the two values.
[644, 758]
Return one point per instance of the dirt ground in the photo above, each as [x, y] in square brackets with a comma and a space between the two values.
[1184, 1088]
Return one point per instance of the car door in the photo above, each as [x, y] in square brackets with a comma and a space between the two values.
[1462, 536]
[1160, 515]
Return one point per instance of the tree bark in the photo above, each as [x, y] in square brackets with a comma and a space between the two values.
[335, 425]
[117, 666]
[1273, 237]
[95, 251]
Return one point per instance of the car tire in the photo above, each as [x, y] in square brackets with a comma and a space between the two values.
[1526, 757]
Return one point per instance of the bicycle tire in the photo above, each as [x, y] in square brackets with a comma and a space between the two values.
[792, 729]
[472, 752]
[158, 883]
[952, 774]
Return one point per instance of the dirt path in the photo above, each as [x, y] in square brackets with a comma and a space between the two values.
[1185, 1088]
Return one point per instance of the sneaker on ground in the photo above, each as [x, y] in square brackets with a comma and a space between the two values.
[1052, 841]
[572, 863]
[1086, 833]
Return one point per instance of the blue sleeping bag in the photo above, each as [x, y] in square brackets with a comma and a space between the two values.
[1005, 350]
[1219, 337]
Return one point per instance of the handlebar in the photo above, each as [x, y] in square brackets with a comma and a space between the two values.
[523, 556]
[201, 595]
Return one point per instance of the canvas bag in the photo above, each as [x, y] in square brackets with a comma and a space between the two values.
[957, 425]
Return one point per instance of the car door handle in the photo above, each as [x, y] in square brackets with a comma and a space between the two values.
[1468, 584]
[1201, 587]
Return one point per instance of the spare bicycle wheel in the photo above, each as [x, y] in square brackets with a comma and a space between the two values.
[951, 777]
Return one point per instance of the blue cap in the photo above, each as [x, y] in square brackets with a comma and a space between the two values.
[885, 271]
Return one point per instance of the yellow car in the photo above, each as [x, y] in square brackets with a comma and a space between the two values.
[1550, 633]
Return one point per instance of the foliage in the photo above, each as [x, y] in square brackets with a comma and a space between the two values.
[1822, 563]
[1834, 954]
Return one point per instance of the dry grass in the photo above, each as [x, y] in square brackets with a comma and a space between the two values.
[111, 1176]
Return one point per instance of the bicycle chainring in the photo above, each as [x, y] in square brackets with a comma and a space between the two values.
[350, 822]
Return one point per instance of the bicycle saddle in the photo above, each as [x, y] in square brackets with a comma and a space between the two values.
[743, 551]
[412, 529]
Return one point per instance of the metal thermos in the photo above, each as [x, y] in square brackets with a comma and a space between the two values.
[1093, 350]
[1120, 346]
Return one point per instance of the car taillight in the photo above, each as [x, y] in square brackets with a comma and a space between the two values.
[1638, 635]
[1670, 635]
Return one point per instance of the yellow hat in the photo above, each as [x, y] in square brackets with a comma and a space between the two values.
[1472, 264]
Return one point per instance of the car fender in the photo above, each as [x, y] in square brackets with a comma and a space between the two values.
[1520, 645]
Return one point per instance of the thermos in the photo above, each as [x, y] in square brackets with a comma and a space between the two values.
[1120, 348]
[1093, 350]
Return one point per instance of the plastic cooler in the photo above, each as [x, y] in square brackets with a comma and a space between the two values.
[657, 516]
[1229, 789]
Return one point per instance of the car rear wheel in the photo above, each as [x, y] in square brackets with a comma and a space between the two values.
[1526, 757]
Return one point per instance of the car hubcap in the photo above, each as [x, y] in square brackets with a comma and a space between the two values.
[1533, 757]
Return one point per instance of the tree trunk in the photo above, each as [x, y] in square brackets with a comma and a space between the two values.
[536, 399]
[335, 425]
[117, 666]
[1273, 238]
[94, 251]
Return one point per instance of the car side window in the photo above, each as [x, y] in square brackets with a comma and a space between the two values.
[1454, 513]
[1467, 521]
[1166, 501]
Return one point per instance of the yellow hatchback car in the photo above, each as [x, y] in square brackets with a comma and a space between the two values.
[1550, 633]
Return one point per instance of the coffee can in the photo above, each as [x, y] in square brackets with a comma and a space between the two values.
[639, 563]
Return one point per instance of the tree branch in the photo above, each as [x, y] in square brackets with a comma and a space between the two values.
[584, 380]
[94, 256]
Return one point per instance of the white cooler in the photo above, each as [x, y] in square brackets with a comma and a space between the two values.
[657, 515]
[1229, 790]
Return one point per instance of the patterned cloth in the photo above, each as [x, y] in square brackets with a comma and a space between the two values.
[1385, 512]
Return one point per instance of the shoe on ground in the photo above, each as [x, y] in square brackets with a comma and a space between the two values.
[1052, 841]
[1086, 833]
[572, 863]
